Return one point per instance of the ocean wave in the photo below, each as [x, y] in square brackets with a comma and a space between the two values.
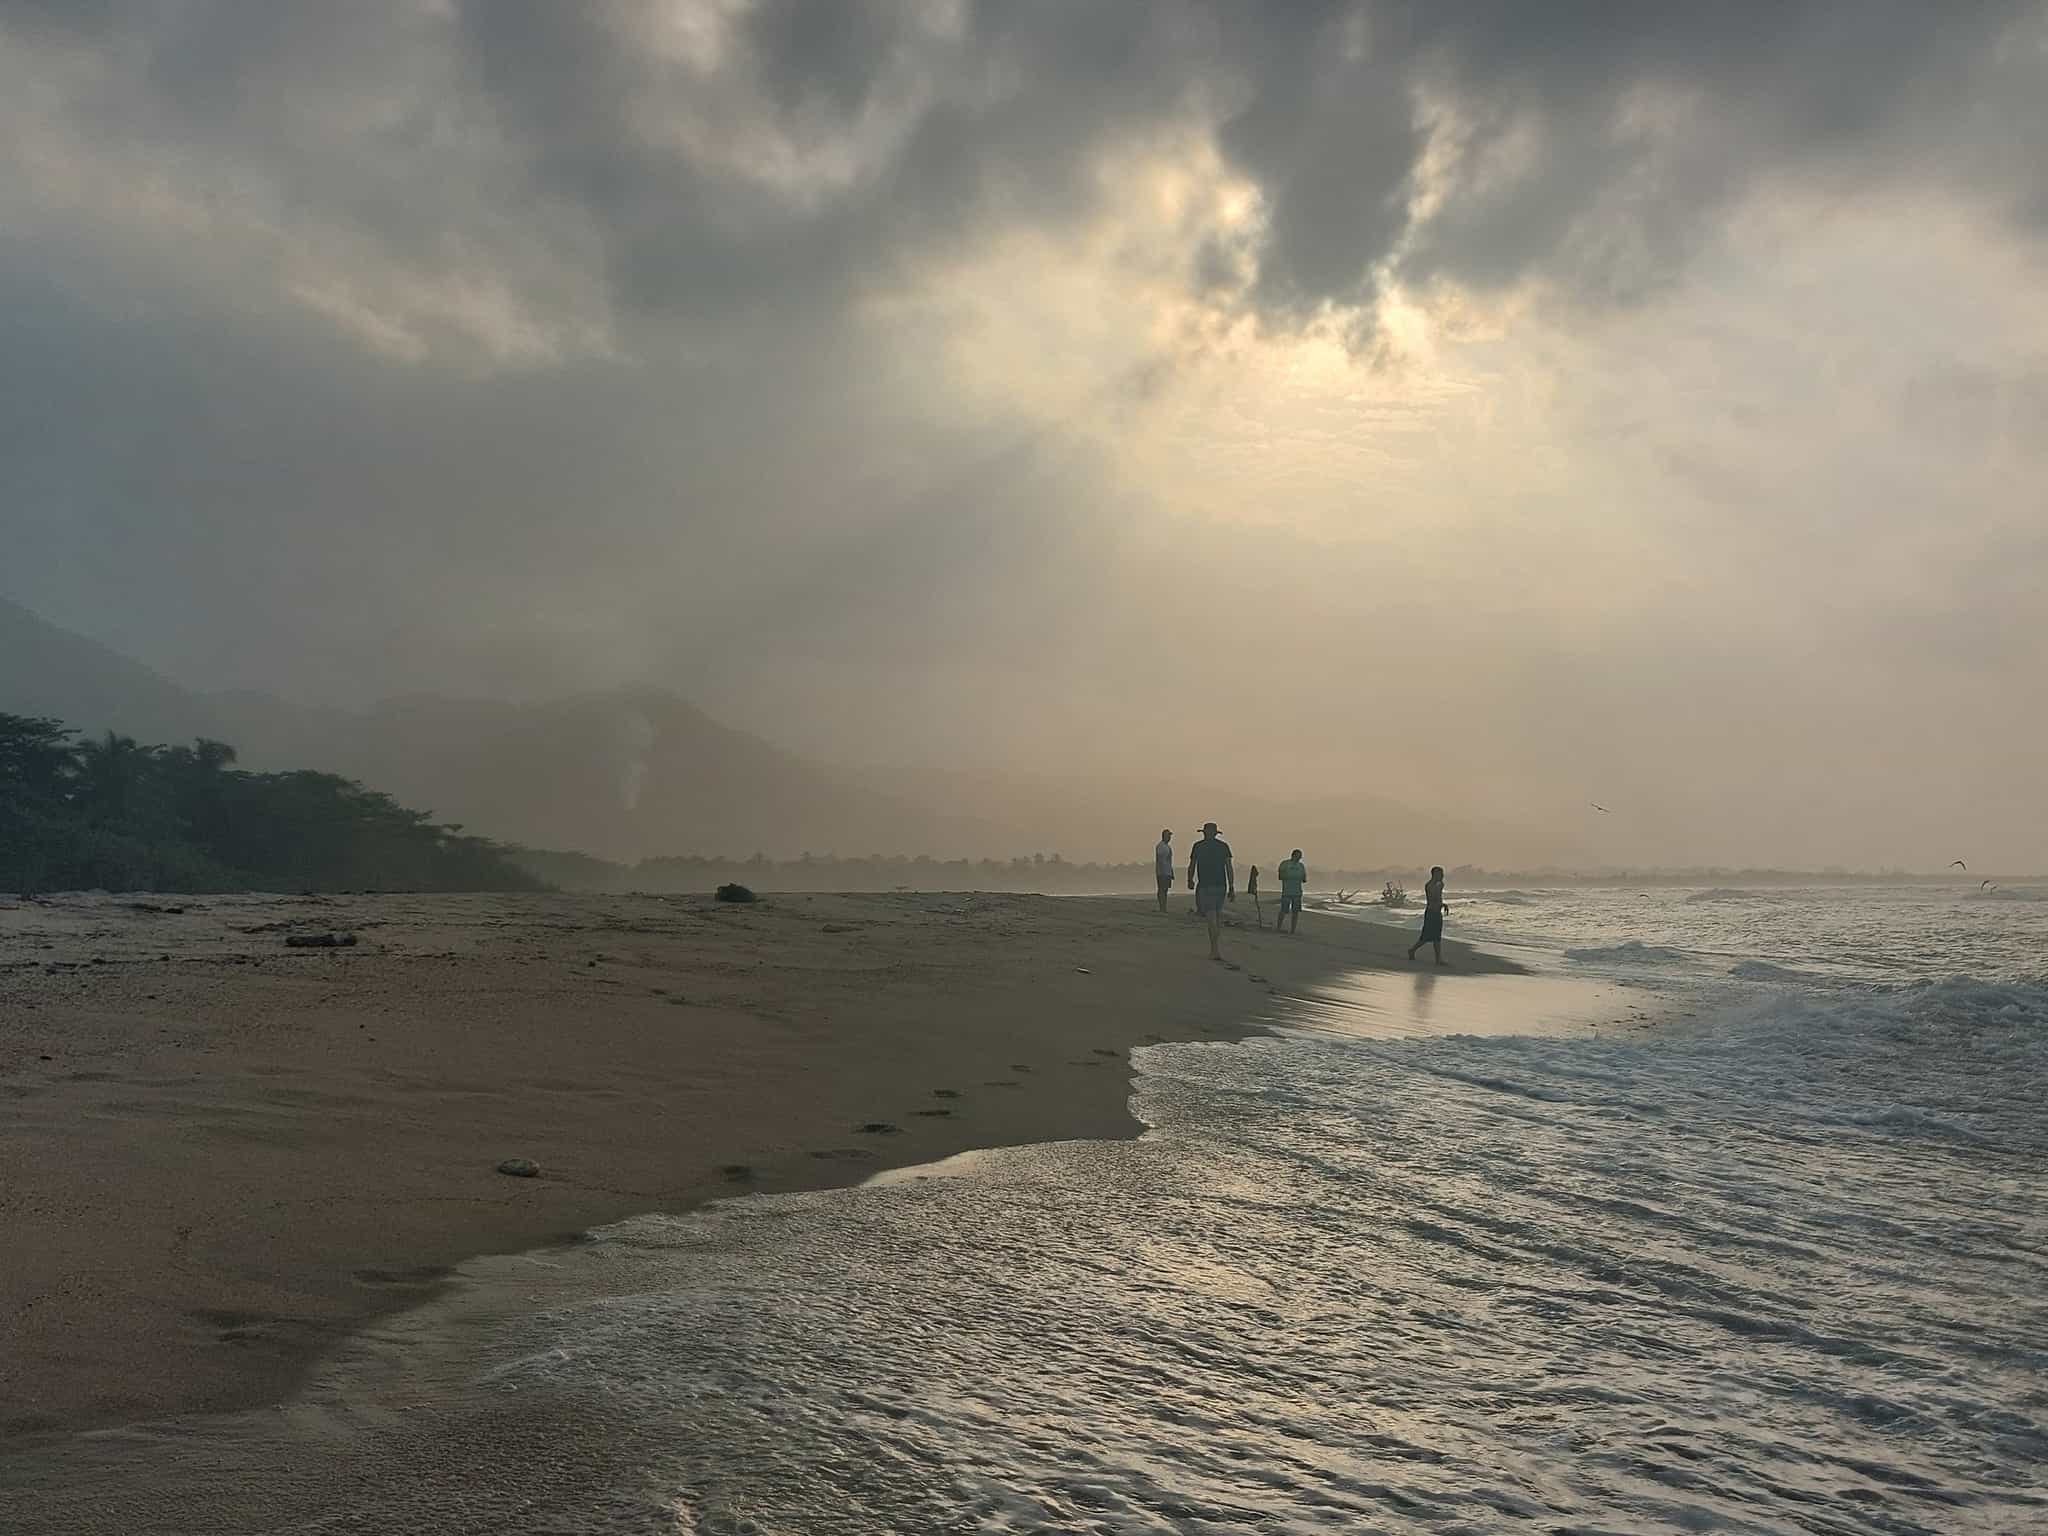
[1633, 952]
[1913, 1119]
[1957, 1061]
[1724, 893]
[1763, 970]
[1999, 1009]
[1974, 1051]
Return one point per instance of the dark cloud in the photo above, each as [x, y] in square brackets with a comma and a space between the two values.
[1629, 129]
[1592, 141]
[359, 347]
[808, 152]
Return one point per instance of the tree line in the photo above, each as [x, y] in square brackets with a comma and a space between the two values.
[113, 813]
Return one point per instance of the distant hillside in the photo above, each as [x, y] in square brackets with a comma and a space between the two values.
[639, 773]
[45, 670]
[622, 774]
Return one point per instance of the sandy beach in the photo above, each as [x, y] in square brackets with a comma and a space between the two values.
[219, 1153]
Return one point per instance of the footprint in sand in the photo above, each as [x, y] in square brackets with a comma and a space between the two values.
[1018, 1066]
[736, 1173]
[1001, 1082]
[934, 1114]
[844, 1154]
[878, 1128]
[945, 1093]
[1103, 1050]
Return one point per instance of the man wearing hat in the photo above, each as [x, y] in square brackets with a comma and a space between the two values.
[1213, 881]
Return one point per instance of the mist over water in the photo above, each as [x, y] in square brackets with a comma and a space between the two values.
[1777, 1267]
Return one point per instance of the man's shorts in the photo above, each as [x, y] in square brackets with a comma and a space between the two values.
[1165, 884]
[1290, 903]
[1211, 898]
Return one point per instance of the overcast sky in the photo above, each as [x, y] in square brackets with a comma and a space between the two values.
[1498, 404]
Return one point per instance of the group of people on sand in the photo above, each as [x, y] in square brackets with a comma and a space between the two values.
[1213, 878]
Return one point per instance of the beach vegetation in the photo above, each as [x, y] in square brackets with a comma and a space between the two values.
[114, 813]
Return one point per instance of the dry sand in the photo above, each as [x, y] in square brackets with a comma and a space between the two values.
[219, 1154]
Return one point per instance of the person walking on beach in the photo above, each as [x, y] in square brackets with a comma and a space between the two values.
[1162, 864]
[1432, 915]
[1293, 876]
[1214, 882]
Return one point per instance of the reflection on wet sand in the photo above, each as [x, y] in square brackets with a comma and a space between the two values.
[1386, 1005]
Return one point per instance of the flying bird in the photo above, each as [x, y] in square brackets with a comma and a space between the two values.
[1957, 864]
[1601, 809]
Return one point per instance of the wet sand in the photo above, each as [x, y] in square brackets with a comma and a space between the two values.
[219, 1154]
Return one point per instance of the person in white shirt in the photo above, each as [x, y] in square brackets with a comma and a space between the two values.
[1162, 865]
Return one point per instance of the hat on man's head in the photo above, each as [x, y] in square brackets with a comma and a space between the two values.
[1208, 826]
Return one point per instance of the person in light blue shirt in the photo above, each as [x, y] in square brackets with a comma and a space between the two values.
[1293, 876]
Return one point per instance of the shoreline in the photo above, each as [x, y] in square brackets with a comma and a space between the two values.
[234, 1155]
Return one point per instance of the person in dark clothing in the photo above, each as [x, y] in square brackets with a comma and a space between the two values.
[1214, 882]
[1432, 915]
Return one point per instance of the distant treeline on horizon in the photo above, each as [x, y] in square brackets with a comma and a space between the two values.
[1055, 875]
[112, 813]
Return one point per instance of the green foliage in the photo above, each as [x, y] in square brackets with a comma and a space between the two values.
[116, 814]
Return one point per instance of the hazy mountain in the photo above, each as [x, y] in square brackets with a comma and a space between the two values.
[45, 670]
[633, 773]
[622, 774]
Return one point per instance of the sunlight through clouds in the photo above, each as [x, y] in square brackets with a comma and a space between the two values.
[1524, 386]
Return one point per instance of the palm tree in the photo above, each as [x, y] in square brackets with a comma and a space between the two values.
[199, 786]
[114, 775]
[36, 758]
